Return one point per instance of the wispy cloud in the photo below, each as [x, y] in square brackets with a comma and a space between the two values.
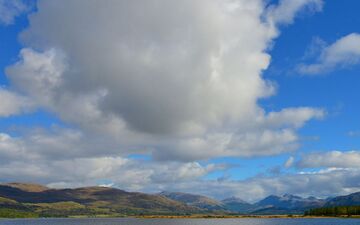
[10, 9]
[333, 159]
[286, 11]
[353, 133]
[343, 53]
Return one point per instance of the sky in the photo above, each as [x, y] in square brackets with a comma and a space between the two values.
[215, 97]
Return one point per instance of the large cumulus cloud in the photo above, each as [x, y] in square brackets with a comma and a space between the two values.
[181, 78]
[179, 81]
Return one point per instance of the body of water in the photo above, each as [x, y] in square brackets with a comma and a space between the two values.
[130, 221]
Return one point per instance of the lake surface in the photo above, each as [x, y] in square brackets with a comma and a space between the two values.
[181, 222]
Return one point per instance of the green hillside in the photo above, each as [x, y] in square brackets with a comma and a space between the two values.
[23, 201]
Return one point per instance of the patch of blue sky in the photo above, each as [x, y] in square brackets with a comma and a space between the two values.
[142, 157]
[14, 125]
[10, 45]
[243, 168]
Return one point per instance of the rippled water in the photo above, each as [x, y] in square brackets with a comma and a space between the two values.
[181, 222]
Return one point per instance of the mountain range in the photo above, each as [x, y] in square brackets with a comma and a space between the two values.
[286, 204]
[33, 199]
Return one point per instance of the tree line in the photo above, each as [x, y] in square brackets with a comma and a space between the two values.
[334, 211]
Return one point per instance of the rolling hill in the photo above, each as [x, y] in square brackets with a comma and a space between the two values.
[31, 200]
[91, 200]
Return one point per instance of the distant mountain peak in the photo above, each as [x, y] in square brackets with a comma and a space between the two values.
[289, 202]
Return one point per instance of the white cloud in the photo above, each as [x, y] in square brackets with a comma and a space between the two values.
[265, 142]
[24, 161]
[337, 159]
[10, 149]
[286, 10]
[38, 74]
[41, 76]
[295, 117]
[12, 103]
[343, 53]
[146, 70]
[10, 9]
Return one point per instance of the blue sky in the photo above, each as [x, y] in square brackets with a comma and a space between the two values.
[336, 91]
[86, 98]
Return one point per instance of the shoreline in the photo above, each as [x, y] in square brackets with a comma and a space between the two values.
[246, 217]
[196, 217]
